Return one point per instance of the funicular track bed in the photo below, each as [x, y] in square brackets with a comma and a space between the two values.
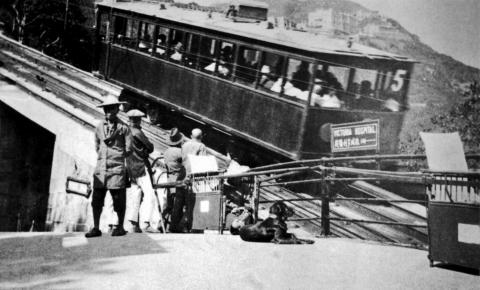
[75, 89]
[347, 209]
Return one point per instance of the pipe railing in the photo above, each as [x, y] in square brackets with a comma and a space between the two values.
[332, 174]
[373, 158]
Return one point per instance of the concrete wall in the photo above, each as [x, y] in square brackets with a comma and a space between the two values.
[26, 152]
[72, 153]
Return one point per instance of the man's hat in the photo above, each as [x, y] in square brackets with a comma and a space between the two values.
[176, 137]
[110, 101]
[135, 113]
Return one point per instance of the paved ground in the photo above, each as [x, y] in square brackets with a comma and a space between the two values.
[195, 261]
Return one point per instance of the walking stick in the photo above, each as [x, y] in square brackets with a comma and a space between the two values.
[150, 172]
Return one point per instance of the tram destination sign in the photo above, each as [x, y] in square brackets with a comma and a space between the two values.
[355, 136]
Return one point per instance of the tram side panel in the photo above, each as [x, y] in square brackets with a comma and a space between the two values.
[263, 119]
[390, 127]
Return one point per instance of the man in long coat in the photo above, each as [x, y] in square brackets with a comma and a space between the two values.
[113, 145]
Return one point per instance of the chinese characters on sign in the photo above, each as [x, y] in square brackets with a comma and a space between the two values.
[355, 136]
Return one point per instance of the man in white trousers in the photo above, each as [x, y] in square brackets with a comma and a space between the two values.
[139, 177]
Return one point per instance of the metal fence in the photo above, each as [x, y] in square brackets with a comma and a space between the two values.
[270, 183]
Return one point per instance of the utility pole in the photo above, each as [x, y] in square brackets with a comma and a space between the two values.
[65, 27]
[66, 17]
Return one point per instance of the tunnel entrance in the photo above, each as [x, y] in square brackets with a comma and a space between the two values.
[26, 153]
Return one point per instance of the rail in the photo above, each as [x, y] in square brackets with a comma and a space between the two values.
[440, 188]
[373, 158]
[330, 175]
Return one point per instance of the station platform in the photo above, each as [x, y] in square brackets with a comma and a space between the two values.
[212, 261]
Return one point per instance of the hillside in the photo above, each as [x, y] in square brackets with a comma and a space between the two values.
[437, 84]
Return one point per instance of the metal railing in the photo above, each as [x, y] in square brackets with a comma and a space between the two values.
[272, 180]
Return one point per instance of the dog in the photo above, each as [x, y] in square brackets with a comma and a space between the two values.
[273, 229]
[243, 217]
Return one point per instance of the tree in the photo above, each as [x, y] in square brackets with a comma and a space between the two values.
[51, 28]
[464, 118]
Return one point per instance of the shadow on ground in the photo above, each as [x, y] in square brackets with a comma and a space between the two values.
[460, 269]
[53, 261]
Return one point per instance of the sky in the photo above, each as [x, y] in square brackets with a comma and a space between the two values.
[448, 26]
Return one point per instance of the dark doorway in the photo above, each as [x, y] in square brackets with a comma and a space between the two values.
[26, 153]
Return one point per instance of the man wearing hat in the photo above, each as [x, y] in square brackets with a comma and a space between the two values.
[139, 175]
[113, 144]
[176, 172]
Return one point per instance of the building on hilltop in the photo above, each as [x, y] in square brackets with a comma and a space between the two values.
[331, 21]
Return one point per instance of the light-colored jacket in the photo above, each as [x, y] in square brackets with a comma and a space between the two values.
[192, 147]
[112, 149]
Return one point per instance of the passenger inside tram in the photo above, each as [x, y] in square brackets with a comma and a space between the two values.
[328, 99]
[226, 61]
[271, 72]
[328, 78]
[160, 47]
[247, 65]
[207, 54]
[301, 77]
[177, 52]
[145, 44]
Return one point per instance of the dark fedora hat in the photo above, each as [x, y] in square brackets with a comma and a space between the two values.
[176, 137]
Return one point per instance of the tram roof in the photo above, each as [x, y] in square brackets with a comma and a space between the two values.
[218, 22]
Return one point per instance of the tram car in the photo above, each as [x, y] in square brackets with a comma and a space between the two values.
[236, 72]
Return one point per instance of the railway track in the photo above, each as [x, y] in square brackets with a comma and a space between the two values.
[77, 94]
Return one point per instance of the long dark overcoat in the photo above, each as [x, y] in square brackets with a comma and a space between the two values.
[112, 149]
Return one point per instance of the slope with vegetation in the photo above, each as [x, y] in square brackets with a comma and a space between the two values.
[439, 85]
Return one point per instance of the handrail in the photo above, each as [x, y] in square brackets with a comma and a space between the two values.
[375, 157]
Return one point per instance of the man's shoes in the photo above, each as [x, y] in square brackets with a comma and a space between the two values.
[94, 232]
[151, 230]
[118, 231]
[133, 228]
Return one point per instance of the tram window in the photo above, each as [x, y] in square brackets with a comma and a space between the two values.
[271, 71]
[364, 82]
[120, 28]
[298, 79]
[176, 45]
[104, 26]
[146, 37]
[190, 57]
[225, 63]
[328, 88]
[207, 54]
[247, 65]
[161, 41]
[131, 34]
[335, 77]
